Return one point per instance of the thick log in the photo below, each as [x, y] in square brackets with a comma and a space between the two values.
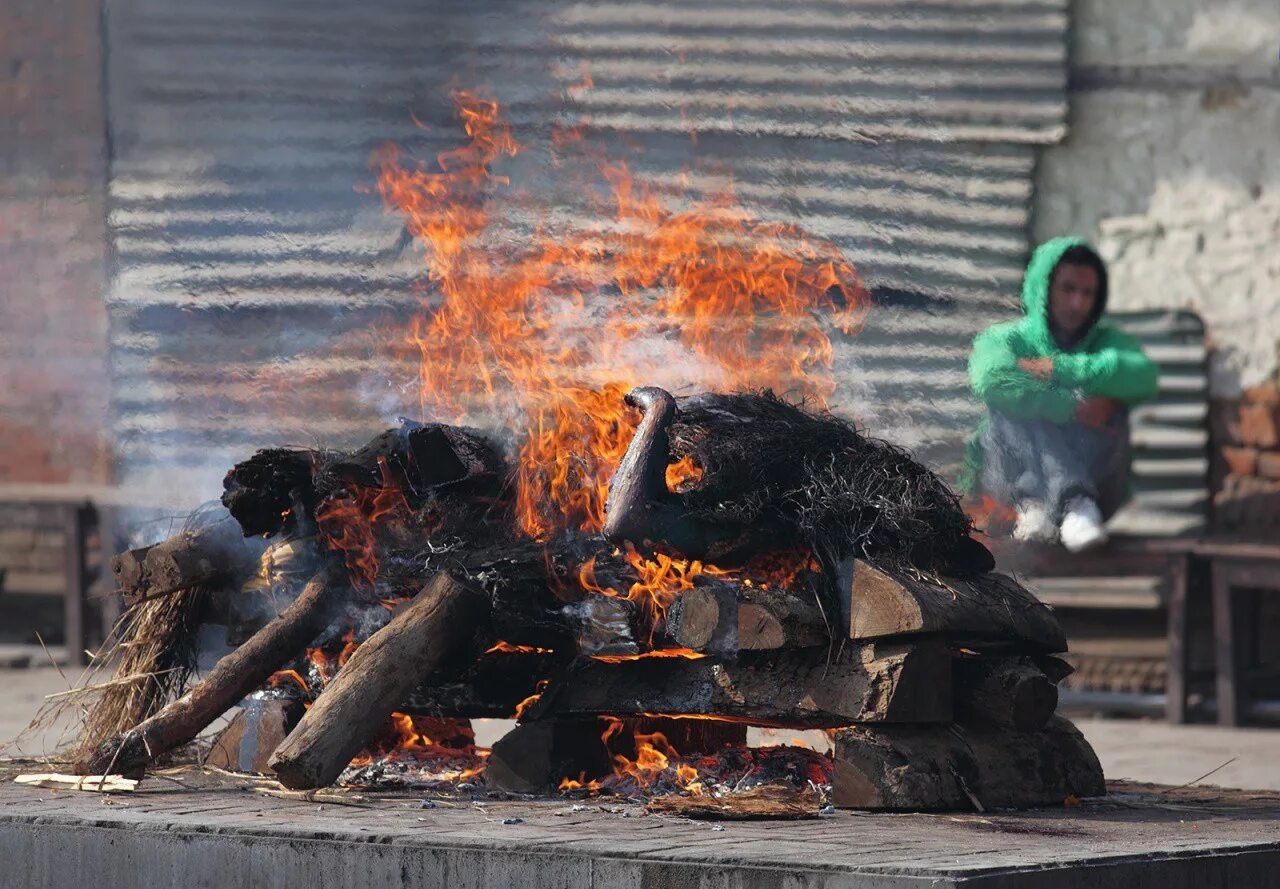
[490, 688]
[724, 618]
[381, 672]
[928, 768]
[1003, 693]
[210, 554]
[991, 611]
[236, 675]
[878, 682]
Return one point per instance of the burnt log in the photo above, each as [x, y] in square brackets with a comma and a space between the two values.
[723, 618]
[534, 757]
[930, 768]
[492, 687]
[235, 676]
[1003, 693]
[381, 672]
[989, 612]
[811, 688]
[211, 554]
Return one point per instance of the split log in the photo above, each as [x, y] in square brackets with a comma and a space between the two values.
[990, 611]
[356, 704]
[724, 618]
[236, 675]
[880, 682]
[257, 729]
[925, 768]
[1003, 693]
[210, 554]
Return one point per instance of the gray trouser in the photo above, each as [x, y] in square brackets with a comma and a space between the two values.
[1054, 462]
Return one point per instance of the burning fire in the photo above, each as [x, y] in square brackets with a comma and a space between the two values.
[684, 471]
[753, 302]
[662, 579]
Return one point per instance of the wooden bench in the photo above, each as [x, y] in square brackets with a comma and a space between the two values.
[1147, 563]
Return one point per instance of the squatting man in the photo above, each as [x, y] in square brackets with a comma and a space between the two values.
[1058, 384]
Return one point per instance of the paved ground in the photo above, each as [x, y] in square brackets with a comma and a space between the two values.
[1138, 750]
[209, 830]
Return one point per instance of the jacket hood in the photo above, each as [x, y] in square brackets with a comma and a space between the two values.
[1035, 292]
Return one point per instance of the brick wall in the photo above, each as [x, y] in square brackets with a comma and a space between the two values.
[53, 252]
[1247, 453]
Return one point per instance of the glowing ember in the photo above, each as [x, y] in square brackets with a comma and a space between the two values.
[681, 473]
[508, 648]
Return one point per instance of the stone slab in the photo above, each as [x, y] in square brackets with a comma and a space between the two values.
[208, 831]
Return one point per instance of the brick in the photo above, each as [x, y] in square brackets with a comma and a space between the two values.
[1263, 393]
[1258, 426]
[1241, 461]
[1269, 464]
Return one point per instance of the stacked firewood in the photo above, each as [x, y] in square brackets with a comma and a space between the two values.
[937, 675]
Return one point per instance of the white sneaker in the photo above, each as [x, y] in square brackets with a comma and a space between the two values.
[1033, 522]
[1082, 526]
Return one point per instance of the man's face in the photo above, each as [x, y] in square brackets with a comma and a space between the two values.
[1072, 295]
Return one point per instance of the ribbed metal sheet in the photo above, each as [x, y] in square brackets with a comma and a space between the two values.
[253, 273]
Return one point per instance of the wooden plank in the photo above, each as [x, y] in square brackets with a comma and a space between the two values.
[876, 682]
[929, 768]
[1143, 592]
[991, 609]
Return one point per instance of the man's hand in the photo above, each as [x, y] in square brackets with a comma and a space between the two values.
[1040, 368]
[1096, 410]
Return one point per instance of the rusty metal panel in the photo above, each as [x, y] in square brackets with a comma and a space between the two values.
[252, 263]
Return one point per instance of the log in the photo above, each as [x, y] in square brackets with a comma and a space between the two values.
[879, 682]
[490, 688]
[354, 706]
[1003, 693]
[535, 756]
[989, 612]
[929, 768]
[724, 618]
[210, 554]
[253, 734]
[235, 676]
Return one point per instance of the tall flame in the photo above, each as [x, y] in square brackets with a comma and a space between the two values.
[552, 328]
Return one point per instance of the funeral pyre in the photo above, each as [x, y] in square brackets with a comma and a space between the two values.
[635, 576]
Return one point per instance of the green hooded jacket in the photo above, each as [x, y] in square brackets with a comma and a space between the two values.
[1105, 361]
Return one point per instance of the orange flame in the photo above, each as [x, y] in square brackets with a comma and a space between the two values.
[683, 472]
[347, 525]
[753, 302]
[662, 579]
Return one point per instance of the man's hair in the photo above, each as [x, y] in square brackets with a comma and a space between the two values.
[1081, 254]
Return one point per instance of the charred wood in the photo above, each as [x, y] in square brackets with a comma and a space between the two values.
[923, 768]
[801, 689]
[375, 681]
[1003, 693]
[235, 676]
[533, 757]
[991, 611]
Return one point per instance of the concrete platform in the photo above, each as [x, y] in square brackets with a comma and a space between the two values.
[197, 830]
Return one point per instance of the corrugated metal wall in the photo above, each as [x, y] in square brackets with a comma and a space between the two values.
[252, 271]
